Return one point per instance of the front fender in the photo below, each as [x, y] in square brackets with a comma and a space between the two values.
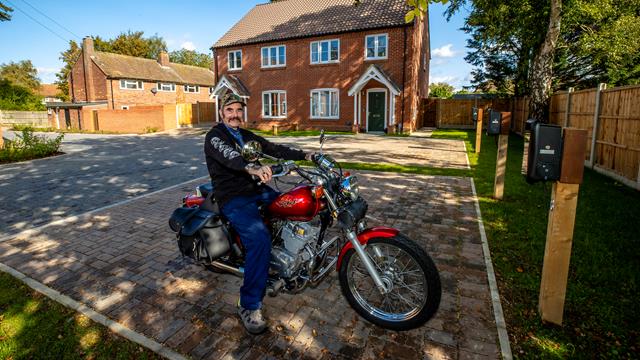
[365, 236]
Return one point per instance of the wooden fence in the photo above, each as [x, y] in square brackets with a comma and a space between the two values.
[456, 113]
[188, 114]
[33, 118]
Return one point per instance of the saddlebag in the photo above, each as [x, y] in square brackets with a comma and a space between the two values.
[201, 234]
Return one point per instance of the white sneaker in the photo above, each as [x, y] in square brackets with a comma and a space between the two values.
[252, 320]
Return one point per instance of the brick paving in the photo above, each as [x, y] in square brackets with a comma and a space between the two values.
[124, 263]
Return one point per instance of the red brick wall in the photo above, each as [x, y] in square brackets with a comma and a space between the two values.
[136, 120]
[146, 97]
[299, 77]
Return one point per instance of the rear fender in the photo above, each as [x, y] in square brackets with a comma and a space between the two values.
[365, 236]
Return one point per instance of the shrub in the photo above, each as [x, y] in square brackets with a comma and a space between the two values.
[29, 146]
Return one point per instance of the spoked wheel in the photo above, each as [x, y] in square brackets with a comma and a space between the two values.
[409, 274]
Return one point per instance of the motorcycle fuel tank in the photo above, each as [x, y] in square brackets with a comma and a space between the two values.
[298, 204]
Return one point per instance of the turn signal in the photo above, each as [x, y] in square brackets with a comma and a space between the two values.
[347, 174]
[318, 191]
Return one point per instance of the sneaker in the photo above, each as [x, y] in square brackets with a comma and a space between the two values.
[252, 320]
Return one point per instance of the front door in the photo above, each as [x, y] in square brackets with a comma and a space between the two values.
[376, 110]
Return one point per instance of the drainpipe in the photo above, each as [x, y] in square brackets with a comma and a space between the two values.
[113, 105]
[404, 67]
[215, 64]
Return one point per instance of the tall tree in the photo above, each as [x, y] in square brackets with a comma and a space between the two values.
[190, 57]
[5, 12]
[21, 73]
[542, 67]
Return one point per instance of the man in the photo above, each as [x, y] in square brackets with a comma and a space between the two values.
[239, 194]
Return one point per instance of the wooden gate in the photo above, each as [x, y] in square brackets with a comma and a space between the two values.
[184, 114]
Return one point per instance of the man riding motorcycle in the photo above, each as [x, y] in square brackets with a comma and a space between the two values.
[239, 195]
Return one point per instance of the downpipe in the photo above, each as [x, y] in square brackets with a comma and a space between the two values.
[368, 264]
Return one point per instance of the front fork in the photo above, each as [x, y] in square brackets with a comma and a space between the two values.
[368, 264]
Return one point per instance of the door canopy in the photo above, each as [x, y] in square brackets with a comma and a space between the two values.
[376, 73]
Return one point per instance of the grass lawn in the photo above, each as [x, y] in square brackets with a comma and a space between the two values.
[34, 327]
[600, 318]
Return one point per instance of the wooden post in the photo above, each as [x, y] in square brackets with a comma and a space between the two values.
[275, 130]
[1, 138]
[438, 112]
[479, 130]
[562, 215]
[526, 134]
[501, 161]
[566, 114]
[596, 120]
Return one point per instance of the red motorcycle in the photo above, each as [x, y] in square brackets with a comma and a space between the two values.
[319, 225]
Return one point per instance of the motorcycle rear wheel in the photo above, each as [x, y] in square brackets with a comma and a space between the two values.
[410, 273]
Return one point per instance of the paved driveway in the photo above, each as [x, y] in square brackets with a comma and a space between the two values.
[123, 262]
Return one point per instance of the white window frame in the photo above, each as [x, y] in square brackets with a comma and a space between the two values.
[211, 89]
[160, 85]
[186, 88]
[281, 114]
[125, 82]
[124, 107]
[277, 47]
[319, 44]
[320, 91]
[232, 64]
[375, 49]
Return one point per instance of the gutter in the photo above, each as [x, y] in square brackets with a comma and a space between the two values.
[404, 70]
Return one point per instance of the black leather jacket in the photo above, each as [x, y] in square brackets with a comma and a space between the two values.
[227, 167]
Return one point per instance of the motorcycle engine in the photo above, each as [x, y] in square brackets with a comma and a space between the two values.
[295, 235]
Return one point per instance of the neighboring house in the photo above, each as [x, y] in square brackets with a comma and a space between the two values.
[101, 80]
[327, 64]
[49, 93]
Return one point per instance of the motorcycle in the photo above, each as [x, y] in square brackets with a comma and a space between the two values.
[319, 225]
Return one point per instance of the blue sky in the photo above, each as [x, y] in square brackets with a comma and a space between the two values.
[190, 24]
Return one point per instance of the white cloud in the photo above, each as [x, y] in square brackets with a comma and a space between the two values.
[447, 79]
[188, 45]
[47, 75]
[444, 51]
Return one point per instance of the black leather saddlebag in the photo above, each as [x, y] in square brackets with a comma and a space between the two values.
[201, 234]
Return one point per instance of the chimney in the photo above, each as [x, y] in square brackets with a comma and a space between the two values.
[163, 58]
[87, 65]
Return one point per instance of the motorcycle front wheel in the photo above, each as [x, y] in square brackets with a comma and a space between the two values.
[409, 273]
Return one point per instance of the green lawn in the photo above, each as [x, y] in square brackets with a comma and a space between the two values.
[600, 318]
[34, 327]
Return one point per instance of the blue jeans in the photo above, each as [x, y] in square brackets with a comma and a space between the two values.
[242, 212]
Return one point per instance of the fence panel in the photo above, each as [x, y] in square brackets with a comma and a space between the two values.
[184, 114]
[206, 112]
[33, 118]
[582, 106]
[558, 107]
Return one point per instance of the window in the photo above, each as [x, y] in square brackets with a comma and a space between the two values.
[325, 104]
[192, 89]
[211, 90]
[235, 60]
[124, 107]
[326, 51]
[274, 56]
[375, 47]
[131, 85]
[274, 104]
[166, 87]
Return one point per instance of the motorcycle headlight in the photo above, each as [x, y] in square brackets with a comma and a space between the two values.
[349, 187]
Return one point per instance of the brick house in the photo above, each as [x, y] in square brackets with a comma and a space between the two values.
[101, 80]
[327, 64]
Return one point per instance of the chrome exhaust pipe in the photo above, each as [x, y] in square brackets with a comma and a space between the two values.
[228, 268]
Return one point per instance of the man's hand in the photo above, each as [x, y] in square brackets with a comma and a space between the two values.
[262, 172]
[310, 156]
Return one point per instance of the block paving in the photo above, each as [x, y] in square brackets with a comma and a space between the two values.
[124, 263]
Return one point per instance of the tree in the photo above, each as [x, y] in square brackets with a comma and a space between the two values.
[22, 73]
[440, 90]
[16, 97]
[190, 57]
[5, 12]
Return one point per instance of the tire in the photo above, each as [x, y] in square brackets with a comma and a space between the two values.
[419, 283]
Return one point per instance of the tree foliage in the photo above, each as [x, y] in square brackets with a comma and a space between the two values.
[440, 90]
[190, 57]
[16, 97]
[21, 73]
[5, 12]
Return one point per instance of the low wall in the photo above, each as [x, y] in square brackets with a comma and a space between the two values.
[138, 119]
[33, 118]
